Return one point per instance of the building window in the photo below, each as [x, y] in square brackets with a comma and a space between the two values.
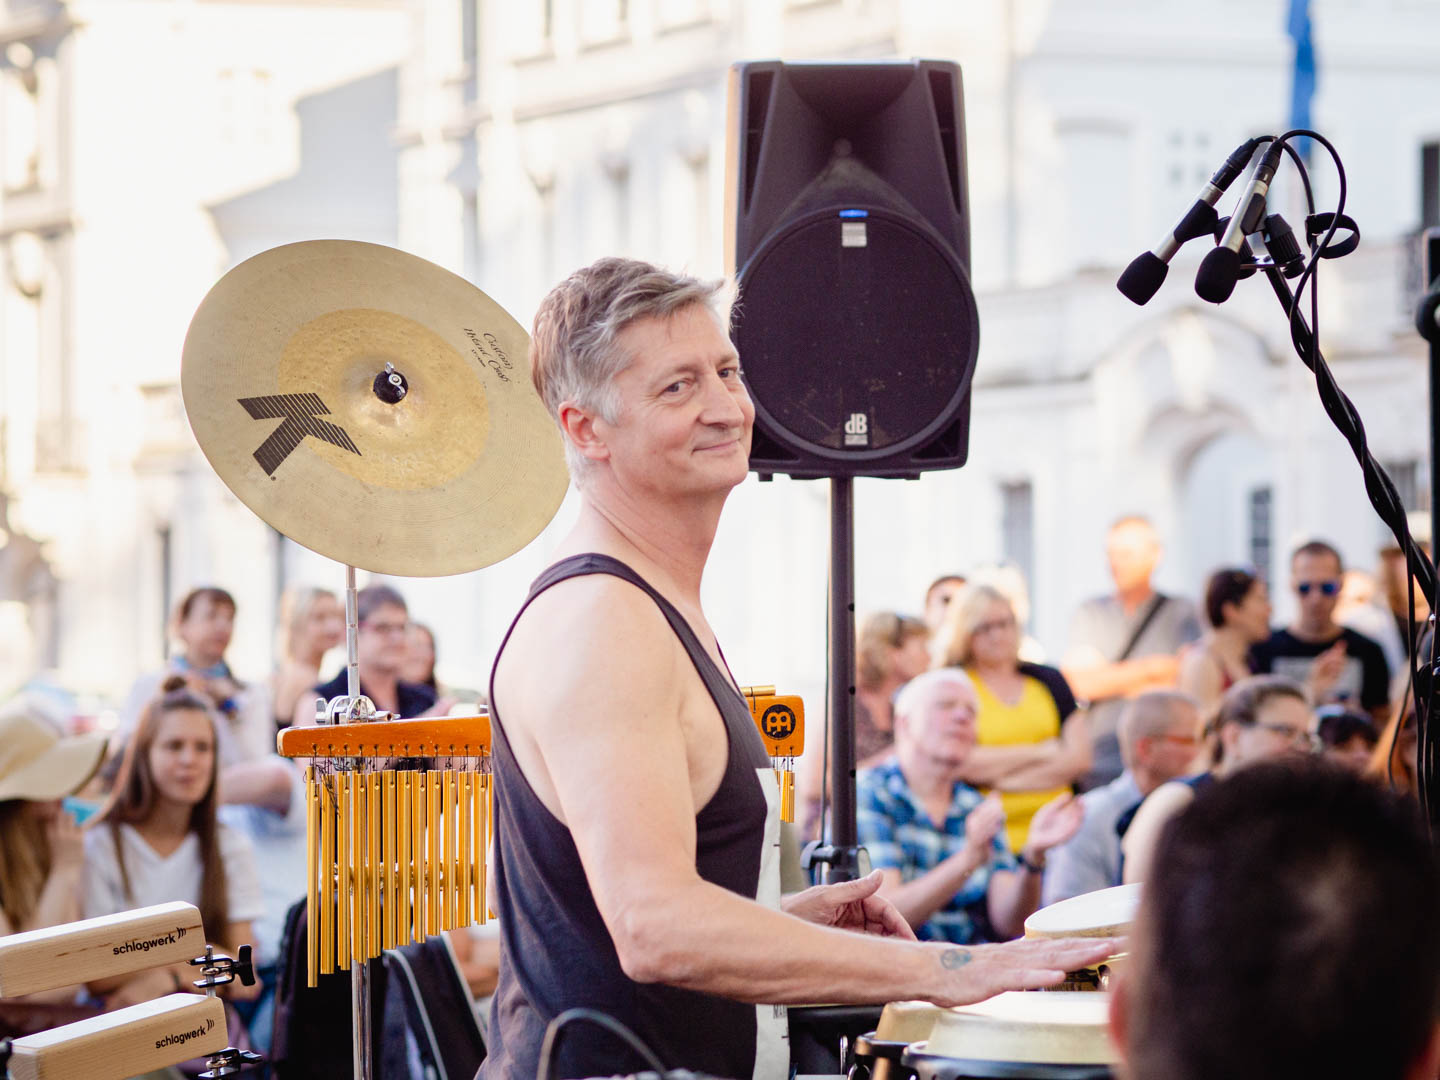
[1262, 529]
[1411, 483]
[20, 120]
[1017, 527]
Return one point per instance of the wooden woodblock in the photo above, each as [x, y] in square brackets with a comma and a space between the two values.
[127, 1042]
[99, 948]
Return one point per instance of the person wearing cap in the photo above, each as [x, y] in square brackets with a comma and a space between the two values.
[41, 849]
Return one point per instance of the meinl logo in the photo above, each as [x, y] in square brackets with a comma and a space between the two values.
[857, 430]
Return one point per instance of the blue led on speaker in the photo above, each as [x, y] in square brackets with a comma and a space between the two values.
[854, 213]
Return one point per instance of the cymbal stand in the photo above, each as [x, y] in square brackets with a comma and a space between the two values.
[353, 707]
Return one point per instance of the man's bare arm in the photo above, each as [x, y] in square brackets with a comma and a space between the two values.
[606, 737]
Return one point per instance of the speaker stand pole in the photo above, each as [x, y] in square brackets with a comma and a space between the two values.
[838, 857]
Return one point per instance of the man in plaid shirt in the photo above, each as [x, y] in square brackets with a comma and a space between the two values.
[939, 842]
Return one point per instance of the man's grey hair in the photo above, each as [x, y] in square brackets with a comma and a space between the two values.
[1155, 712]
[575, 354]
[914, 692]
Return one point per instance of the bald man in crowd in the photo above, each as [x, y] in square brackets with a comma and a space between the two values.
[1126, 642]
[1159, 738]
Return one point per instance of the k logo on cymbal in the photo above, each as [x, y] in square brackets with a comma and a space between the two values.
[301, 413]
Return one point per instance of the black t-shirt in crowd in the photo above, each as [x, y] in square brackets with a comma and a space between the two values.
[1364, 682]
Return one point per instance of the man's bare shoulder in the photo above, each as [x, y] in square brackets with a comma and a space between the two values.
[582, 635]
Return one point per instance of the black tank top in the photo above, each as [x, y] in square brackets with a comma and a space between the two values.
[555, 951]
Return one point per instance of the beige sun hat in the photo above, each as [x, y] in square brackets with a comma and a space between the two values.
[36, 761]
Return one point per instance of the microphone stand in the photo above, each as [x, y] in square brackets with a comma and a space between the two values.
[1427, 323]
[1304, 339]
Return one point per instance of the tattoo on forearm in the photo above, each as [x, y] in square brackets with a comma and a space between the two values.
[954, 958]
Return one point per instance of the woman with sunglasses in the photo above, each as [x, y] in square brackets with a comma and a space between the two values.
[1261, 718]
[1237, 606]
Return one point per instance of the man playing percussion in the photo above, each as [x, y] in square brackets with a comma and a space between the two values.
[637, 811]
[1289, 930]
[940, 843]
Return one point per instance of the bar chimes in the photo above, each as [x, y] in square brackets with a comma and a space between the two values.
[395, 853]
[781, 720]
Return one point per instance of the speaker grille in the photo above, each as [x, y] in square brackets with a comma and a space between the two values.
[865, 334]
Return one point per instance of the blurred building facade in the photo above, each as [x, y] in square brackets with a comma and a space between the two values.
[513, 142]
[145, 147]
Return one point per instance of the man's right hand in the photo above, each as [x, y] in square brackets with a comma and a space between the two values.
[981, 825]
[1325, 672]
[970, 973]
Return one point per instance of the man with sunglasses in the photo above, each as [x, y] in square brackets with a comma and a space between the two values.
[1333, 663]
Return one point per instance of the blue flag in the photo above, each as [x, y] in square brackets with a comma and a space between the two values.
[1302, 85]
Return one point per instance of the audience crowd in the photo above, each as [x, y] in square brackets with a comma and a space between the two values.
[989, 782]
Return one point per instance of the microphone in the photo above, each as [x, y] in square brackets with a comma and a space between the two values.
[1145, 274]
[1220, 269]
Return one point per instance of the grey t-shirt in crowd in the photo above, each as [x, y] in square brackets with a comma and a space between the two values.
[1102, 624]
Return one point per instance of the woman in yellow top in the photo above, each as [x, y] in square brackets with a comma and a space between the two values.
[1033, 742]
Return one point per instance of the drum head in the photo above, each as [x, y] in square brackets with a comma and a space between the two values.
[1103, 913]
[907, 1021]
[1027, 1027]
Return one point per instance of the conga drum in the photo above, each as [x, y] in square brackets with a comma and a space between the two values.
[1021, 1035]
[1103, 913]
[877, 1055]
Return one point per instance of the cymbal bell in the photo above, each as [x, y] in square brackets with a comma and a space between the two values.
[373, 407]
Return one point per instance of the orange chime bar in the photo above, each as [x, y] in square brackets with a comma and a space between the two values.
[780, 719]
[395, 853]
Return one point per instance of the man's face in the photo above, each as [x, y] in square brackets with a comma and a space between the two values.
[685, 418]
[380, 644]
[1315, 579]
[1172, 752]
[1133, 551]
[1282, 728]
[942, 722]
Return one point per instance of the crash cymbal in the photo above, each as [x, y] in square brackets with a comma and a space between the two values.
[446, 461]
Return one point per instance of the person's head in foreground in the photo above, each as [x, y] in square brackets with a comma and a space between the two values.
[1288, 930]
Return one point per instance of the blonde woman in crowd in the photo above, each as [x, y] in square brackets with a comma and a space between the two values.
[312, 622]
[157, 840]
[1033, 742]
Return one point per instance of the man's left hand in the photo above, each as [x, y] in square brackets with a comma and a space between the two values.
[850, 905]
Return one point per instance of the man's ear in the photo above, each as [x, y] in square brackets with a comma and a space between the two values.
[578, 426]
[1427, 1065]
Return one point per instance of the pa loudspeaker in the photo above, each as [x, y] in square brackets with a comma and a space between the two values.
[847, 229]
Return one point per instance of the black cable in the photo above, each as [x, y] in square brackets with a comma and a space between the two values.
[1378, 484]
[550, 1047]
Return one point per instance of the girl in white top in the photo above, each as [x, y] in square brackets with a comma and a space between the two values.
[157, 840]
